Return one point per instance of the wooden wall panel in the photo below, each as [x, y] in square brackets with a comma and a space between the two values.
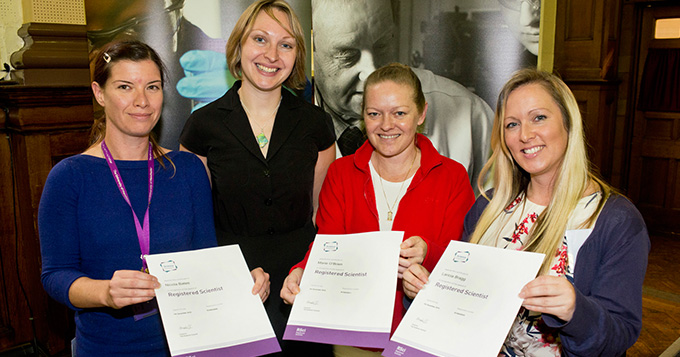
[598, 109]
[586, 56]
[655, 169]
[581, 21]
[43, 125]
[586, 39]
[7, 241]
[658, 198]
[655, 175]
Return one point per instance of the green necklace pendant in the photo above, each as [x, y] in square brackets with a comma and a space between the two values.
[262, 140]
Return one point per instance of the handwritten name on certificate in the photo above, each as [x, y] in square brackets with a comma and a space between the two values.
[468, 305]
[206, 304]
[347, 290]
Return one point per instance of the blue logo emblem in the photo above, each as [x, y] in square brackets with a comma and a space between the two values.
[461, 256]
[330, 246]
[168, 266]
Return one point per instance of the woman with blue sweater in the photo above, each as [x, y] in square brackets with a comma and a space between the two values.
[124, 197]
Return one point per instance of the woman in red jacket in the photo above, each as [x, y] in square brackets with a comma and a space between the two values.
[396, 181]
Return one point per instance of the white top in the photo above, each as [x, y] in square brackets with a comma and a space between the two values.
[510, 231]
[394, 191]
[511, 228]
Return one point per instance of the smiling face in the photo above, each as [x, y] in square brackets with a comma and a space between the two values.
[534, 131]
[132, 98]
[392, 117]
[351, 40]
[268, 52]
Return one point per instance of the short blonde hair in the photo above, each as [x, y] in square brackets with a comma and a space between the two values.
[510, 180]
[244, 25]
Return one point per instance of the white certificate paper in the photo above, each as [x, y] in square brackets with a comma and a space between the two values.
[347, 290]
[206, 304]
[468, 305]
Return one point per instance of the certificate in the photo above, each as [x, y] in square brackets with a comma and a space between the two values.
[468, 305]
[347, 290]
[206, 304]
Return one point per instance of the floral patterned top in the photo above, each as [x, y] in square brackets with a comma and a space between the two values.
[529, 335]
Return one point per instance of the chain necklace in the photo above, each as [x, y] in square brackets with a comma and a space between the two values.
[261, 138]
[389, 207]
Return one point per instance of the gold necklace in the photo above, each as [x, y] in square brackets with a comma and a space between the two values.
[261, 138]
[389, 207]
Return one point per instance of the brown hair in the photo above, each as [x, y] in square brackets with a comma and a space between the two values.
[244, 25]
[105, 58]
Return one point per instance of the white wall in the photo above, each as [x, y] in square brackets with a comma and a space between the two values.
[10, 22]
[16, 12]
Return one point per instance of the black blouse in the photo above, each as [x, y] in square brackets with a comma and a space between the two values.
[253, 195]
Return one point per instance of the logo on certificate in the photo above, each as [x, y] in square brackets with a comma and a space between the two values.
[168, 266]
[330, 246]
[461, 256]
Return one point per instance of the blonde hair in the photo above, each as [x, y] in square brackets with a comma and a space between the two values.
[400, 74]
[244, 25]
[571, 182]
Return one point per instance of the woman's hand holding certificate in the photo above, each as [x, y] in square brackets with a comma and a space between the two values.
[211, 304]
[346, 291]
[468, 302]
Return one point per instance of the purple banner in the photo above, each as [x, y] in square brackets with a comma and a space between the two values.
[401, 350]
[250, 349]
[337, 337]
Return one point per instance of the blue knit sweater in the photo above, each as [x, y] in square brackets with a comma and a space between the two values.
[87, 230]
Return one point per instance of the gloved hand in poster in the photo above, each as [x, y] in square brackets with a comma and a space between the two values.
[207, 77]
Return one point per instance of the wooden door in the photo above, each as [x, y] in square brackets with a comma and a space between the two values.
[654, 177]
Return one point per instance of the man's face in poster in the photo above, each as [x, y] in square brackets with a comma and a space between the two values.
[351, 39]
[523, 19]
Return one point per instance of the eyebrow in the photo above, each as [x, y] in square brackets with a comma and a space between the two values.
[288, 35]
[539, 109]
[401, 108]
[130, 82]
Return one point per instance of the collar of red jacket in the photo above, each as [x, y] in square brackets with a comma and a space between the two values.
[429, 158]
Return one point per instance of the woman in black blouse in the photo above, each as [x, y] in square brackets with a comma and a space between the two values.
[266, 150]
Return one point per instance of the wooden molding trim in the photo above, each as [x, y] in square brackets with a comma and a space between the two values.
[51, 46]
[46, 107]
[53, 54]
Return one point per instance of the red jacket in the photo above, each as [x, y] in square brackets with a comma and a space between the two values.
[433, 207]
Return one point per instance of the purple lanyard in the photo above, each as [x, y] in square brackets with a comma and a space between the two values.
[142, 231]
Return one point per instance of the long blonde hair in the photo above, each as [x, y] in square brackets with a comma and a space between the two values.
[510, 180]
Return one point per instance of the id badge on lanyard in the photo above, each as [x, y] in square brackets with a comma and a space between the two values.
[150, 307]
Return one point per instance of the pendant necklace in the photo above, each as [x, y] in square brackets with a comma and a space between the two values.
[389, 207]
[261, 138]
